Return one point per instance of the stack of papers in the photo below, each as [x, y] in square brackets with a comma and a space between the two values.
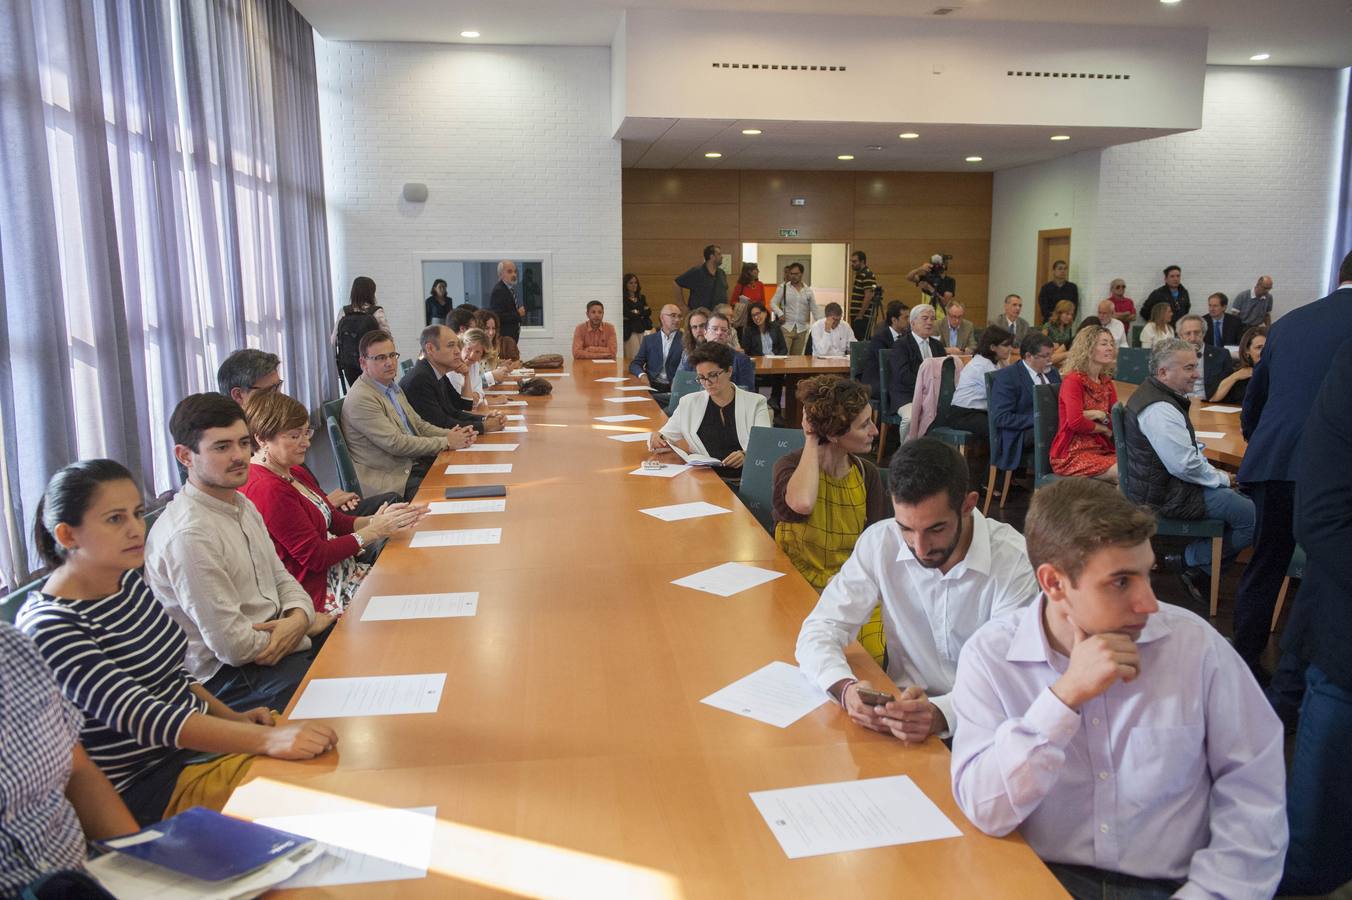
[728, 579]
[364, 846]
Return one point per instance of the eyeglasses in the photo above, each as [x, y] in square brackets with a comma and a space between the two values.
[384, 357]
[299, 434]
[265, 388]
[710, 379]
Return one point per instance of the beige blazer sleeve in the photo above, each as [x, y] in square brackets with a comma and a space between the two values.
[368, 414]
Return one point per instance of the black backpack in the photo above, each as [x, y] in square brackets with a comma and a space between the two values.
[351, 327]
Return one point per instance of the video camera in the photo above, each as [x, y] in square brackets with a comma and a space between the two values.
[938, 268]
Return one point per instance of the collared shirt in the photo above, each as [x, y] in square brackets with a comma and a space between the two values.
[594, 341]
[39, 831]
[214, 567]
[1037, 377]
[1012, 325]
[831, 343]
[927, 615]
[666, 351]
[799, 306]
[392, 392]
[1167, 431]
[953, 334]
[923, 344]
[1177, 774]
[705, 290]
[1199, 383]
[1216, 328]
[863, 282]
[767, 340]
[1250, 309]
[1117, 330]
[971, 390]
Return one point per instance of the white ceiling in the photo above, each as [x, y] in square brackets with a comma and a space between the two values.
[682, 143]
[1296, 32]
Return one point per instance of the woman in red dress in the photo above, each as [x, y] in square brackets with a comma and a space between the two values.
[1084, 438]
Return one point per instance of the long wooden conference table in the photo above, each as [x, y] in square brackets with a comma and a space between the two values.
[570, 755]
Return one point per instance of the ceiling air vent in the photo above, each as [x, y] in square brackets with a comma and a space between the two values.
[785, 67]
[1101, 76]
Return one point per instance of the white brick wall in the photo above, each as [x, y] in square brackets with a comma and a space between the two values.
[514, 146]
[1251, 192]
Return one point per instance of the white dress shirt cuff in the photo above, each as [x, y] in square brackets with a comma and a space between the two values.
[944, 704]
[833, 672]
[1052, 718]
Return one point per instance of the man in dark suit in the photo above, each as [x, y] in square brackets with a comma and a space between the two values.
[1217, 362]
[1222, 329]
[659, 354]
[883, 339]
[1011, 406]
[1299, 348]
[503, 301]
[430, 393]
[908, 353]
[1318, 635]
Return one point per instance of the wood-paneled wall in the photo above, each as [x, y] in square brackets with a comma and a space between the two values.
[898, 218]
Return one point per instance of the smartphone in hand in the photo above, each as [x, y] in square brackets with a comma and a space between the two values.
[872, 697]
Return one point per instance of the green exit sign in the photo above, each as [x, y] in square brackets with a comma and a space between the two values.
[788, 232]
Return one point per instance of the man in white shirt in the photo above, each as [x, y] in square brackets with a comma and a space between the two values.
[795, 305]
[1123, 738]
[1107, 316]
[942, 570]
[829, 337]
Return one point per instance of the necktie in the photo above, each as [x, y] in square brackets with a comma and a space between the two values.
[398, 407]
[1041, 378]
[1216, 328]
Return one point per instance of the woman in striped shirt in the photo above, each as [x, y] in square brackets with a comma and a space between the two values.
[162, 739]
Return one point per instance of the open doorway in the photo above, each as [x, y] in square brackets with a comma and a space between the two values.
[1052, 245]
[824, 267]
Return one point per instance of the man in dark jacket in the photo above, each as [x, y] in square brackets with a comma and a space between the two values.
[883, 339]
[1011, 406]
[908, 354]
[1172, 292]
[1165, 467]
[429, 391]
[504, 302]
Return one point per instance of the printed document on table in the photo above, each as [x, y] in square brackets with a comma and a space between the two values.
[667, 470]
[626, 399]
[488, 448]
[395, 607]
[363, 846]
[551, 374]
[500, 393]
[778, 694]
[480, 469]
[512, 403]
[603, 360]
[613, 379]
[376, 695]
[460, 537]
[774, 356]
[679, 511]
[728, 579]
[631, 438]
[514, 429]
[636, 387]
[1214, 435]
[696, 459]
[451, 507]
[1221, 409]
[516, 417]
[627, 417]
[852, 815]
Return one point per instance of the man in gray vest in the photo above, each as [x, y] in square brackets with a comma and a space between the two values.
[1166, 469]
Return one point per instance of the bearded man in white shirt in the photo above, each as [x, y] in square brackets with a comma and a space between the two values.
[942, 569]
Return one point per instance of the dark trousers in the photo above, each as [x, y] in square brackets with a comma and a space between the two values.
[964, 419]
[367, 506]
[150, 793]
[415, 476]
[1273, 544]
[1088, 883]
[244, 687]
[1319, 794]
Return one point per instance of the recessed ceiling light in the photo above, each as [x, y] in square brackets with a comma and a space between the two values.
[1259, 57]
[751, 131]
[844, 157]
[713, 155]
[874, 147]
[469, 34]
[1060, 137]
[908, 135]
[974, 159]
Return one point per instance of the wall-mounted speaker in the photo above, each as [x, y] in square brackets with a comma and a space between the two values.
[415, 193]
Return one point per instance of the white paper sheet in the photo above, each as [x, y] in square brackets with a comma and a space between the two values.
[396, 607]
[480, 469]
[516, 417]
[488, 448]
[1214, 435]
[514, 429]
[679, 511]
[614, 379]
[778, 694]
[452, 507]
[668, 470]
[363, 847]
[500, 393]
[728, 579]
[627, 417]
[695, 459]
[851, 815]
[626, 399]
[511, 403]
[1221, 409]
[376, 695]
[774, 356]
[636, 387]
[833, 357]
[551, 374]
[458, 537]
[603, 360]
[630, 438]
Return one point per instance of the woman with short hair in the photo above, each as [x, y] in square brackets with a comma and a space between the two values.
[716, 421]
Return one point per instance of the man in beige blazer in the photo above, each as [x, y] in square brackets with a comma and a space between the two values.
[392, 446]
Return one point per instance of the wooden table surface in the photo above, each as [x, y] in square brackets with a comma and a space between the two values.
[570, 755]
[802, 365]
[1227, 450]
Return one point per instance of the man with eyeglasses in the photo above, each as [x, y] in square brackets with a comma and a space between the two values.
[1011, 406]
[719, 330]
[392, 446]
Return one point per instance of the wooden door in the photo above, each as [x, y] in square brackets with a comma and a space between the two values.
[1052, 245]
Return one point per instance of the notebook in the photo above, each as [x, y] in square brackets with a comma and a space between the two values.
[476, 490]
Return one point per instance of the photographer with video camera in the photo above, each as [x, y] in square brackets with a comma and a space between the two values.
[934, 281]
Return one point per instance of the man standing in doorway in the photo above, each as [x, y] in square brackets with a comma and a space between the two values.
[504, 302]
[796, 306]
[864, 295]
[1056, 290]
[707, 284]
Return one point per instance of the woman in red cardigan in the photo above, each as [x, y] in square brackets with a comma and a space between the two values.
[318, 543]
[1084, 438]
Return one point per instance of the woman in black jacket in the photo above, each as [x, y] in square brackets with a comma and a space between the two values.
[763, 336]
[638, 319]
[437, 306]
